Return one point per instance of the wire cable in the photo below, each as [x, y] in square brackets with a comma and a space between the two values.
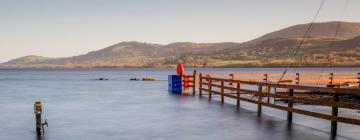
[304, 37]
[332, 43]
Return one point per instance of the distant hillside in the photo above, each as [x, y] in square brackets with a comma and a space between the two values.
[28, 60]
[347, 30]
[271, 50]
[124, 54]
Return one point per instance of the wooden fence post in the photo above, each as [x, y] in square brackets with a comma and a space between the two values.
[210, 88]
[358, 78]
[334, 110]
[259, 99]
[331, 79]
[238, 94]
[297, 79]
[194, 82]
[200, 84]
[267, 88]
[232, 81]
[290, 105]
[222, 91]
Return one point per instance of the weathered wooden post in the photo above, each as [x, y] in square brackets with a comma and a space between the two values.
[200, 84]
[334, 110]
[331, 79]
[232, 81]
[194, 82]
[267, 88]
[358, 79]
[290, 105]
[210, 87]
[238, 94]
[39, 126]
[38, 112]
[222, 91]
[297, 79]
[259, 99]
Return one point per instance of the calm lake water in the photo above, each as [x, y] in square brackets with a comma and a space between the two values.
[78, 107]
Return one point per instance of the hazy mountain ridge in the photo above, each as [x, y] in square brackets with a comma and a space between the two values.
[271, 50]
[347, 30]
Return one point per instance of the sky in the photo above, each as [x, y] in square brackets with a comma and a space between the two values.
[62, 28]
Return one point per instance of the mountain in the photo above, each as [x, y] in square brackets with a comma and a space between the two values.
[275, 49]
[124, 54]
[31, 59]
[347, 30]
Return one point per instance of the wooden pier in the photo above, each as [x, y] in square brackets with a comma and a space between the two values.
[323, 89]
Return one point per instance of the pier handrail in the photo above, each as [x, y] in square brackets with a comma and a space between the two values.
[298, 87]
[226, 85]
[304, 78]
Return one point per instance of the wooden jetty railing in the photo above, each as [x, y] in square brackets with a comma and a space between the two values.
[306, 78]
[293, 88]
[190, 82]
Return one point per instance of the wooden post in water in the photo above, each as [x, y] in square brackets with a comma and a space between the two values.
[238, 94]
[222, 91]
[290, 105]
[259, 99]
[38, 112]
[200, 84]
[335, 114]
[209, 87]
[194, 82]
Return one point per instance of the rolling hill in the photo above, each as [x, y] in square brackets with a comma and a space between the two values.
[275, 49]
[347, 30]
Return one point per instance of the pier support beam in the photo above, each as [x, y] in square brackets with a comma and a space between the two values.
[290, 105]
[334, 113]
[259, 99]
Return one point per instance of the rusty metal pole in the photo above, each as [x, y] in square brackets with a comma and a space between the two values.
[38, 112]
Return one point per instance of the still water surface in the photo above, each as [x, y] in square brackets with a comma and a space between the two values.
[78, 107]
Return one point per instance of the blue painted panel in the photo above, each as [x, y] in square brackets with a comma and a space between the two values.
[175, 84]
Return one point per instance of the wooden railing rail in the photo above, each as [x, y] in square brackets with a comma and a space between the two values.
[216, 84]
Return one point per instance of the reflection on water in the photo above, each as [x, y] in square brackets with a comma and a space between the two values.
[80, 108]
